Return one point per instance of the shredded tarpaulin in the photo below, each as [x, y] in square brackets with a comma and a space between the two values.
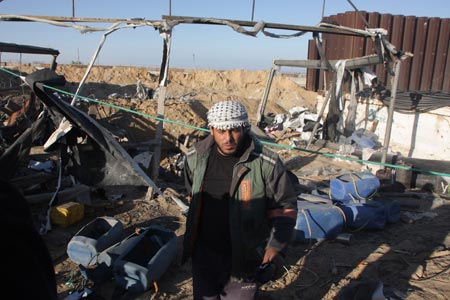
[350, 121]
[340, 72]
[368, 76]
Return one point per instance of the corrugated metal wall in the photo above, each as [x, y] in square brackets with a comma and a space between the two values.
[427, 38]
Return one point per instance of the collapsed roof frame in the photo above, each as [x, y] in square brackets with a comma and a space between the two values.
[386, 53]
[165, 27]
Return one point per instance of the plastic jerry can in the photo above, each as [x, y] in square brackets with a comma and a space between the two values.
[354, 187]
[317, 221]
[367, 215]
[146, 260]
[106, 259]
[93, 238]
[67, 214]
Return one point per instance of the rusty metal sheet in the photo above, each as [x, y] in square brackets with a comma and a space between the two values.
[332, 49]
[407, 46]
[386, 23]
[359, 43]
[419, 51]
[348, 21]
[340, 44]
[428, 39]
[442, 50]
[374, 21]
[311, 74]
[430, 54]
[446, 79]
[396, 32]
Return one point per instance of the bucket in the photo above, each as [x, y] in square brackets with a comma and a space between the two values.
[99, 234]
[146, 260]
[354, 187]
[317, 221]
[367, 215]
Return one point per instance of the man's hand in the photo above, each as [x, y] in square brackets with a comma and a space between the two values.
[269, 255]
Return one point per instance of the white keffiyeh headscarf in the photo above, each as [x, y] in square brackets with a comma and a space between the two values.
[227, 115]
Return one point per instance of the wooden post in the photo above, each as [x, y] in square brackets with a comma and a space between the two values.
[162, 90]
[262, 104]
[387, 135]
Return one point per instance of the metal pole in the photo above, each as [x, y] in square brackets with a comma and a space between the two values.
[73, 8]
[170, 7]
[323, 9]
[387, 135]
[253, 9]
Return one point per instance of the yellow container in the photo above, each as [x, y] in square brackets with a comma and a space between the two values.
[67, 214]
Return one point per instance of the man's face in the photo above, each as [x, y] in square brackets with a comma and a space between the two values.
[228, 141]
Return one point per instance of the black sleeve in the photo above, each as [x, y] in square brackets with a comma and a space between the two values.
[27, 261]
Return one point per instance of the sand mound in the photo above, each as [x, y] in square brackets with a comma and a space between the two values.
[190, 93]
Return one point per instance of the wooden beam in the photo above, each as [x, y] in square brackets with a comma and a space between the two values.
[350, 64]
[186, 20]
[28, 18]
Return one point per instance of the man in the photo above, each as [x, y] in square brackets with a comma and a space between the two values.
[242, 209]
[29, 272]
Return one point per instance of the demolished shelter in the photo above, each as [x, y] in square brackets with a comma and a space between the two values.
[114, 153]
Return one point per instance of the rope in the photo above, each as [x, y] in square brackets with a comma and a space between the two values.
[343, 215]
[429, 172]
[357, 192]
[353, 198]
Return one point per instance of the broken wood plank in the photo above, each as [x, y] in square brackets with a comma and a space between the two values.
[350, 64]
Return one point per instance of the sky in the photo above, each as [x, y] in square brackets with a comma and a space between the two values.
[193, 45]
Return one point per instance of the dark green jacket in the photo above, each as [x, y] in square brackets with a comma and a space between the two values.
[263, 206]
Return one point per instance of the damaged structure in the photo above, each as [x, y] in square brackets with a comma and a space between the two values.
[91, 156]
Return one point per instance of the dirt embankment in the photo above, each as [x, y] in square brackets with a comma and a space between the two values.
[204, 85]
[190, 93]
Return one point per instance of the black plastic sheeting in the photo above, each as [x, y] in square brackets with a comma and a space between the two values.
[102, 161]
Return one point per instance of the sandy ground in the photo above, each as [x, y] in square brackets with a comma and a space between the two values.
[411, 258]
